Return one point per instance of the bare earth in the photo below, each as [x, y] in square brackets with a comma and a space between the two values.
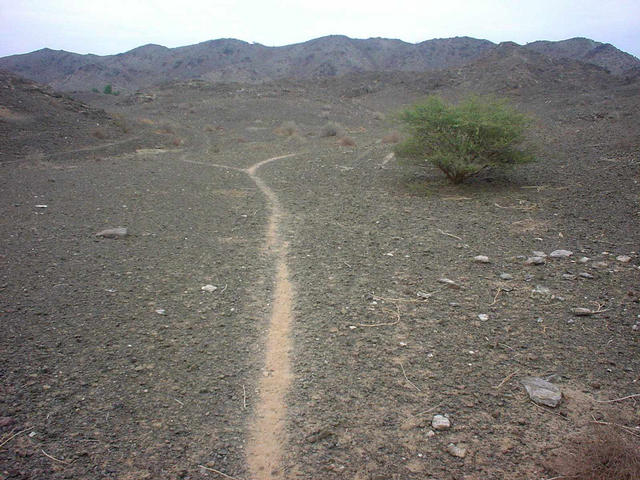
[329, 343]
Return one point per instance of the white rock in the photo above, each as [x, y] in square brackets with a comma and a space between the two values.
[483, 316]
[541, 291]
[561, 253]
[119, 232]
[534, 261]
[431, 433]
[538, 253]
[586, 275]
[600, 264]
[481, 259]
[161, 311]
[583, 259]
[506, 276]
[542, 392]
[209, 288]
[440, 422]
[456, 451]
[623, 258]
[42, 206]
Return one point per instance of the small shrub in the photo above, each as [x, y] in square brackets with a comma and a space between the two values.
[393, 137]
[108, 89]
[331, 129]
[462, 140]
[378, 116]
[346, 142]
[99, 133]
[95, 90]
[287, 129]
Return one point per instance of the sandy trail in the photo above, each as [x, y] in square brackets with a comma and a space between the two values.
[267, 434]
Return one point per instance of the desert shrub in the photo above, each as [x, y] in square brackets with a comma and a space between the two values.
[95, 90]
[346, 142]
[392, 137]
[331, 129]
[108, 89]
[378, 116]
[287, 129]
[462, 140]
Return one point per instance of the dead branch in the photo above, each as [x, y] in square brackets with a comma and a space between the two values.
[624, 428]
[55, 459]
[11, 437]
[383, 324]
[619, 399]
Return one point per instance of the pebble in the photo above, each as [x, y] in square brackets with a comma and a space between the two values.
[161, 311]
[431, 433]
[116, 233]
[209, 288]
[481, 259]
[538, 253]
[623, 258]
[568, 276]
[483, 316]
[449, 283]
[600, 264]
[541, 291]
[581, 312]
[583, 259]
[440, 422]
[456, 450]
[542, 392]
[561, 253]
[586, 275]
[506, 276]
[534, 261]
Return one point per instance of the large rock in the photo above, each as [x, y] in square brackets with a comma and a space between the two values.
[561, 253]
[542, 392]
[119, 232]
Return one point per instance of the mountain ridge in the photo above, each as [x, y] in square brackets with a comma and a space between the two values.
[228, 59]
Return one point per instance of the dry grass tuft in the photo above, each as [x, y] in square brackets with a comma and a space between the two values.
[331, 129]
[393, 137]
[287, 129]
[346, 142]
[99, 133]
[378, 116]
[607, 453]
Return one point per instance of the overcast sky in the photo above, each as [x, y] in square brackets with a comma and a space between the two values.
[114, 26]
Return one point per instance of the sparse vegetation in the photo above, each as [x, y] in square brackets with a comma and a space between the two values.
[331, 129]
[346, 142]
[464, 139]
[392, 137]
[287, 129]
[108, 90]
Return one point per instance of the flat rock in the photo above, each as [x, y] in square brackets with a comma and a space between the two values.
[568, 276]
[581, 312]
[542, 392]
[540, 291]
[119, 232]
[586, 275]
[534, 261]
[506, 276]
[440, 422]
[208, 288]
[583, 259]
[623, 258]
[561, 253]
[538, 253]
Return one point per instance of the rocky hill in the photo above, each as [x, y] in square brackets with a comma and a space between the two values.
[238, 61]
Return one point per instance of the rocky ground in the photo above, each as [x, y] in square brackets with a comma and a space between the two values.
[116, 364]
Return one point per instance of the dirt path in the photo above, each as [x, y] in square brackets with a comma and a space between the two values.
[267, 432]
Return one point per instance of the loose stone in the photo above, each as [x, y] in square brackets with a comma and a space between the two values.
[449, 283]
[568, 276]
[209, 288]
[456, 451]
[116, 233]
[623, 258]
[586, 275]
[481, 259]
[440, 422]
[561, 253]
[581, 312]
[534, 261]
[542, 392]
[506, 276]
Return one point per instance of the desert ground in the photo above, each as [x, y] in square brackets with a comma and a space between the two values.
[327, 339]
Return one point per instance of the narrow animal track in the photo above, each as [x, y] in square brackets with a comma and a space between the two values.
[267, 433]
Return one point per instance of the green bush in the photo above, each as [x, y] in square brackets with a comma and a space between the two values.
[463, 139]
[108, 89]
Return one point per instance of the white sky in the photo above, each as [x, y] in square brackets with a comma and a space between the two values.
[113, 26]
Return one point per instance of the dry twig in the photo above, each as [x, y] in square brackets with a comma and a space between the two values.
[244, 397]
[222, 474]
[507, 378]
[619, 399]
[55, 459]
[11, 437]
[383, 324]
[449, 235]
[624, 428]
[407, 379]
